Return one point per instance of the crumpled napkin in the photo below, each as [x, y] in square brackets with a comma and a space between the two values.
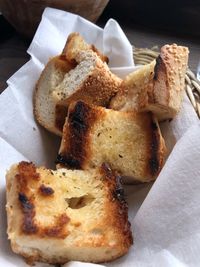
[166, 225]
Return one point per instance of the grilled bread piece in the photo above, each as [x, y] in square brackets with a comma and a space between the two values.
[75, 43]
[44, 103]
[156, 87]
[131, 143]
[85, 76]
[91, 81]
[57, 216]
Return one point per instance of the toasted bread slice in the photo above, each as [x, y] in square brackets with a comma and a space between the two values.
[44, 103]
[85, 76]
[131, 143]
[156, 87]
[57, 216]
[75, 43]
[90, 81]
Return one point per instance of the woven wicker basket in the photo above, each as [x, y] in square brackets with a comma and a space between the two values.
[144, 56]
[25, 15]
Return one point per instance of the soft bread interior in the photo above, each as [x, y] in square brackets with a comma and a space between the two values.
[130, 142]
[57, 216]
[134, 89]
[51, 77]
[157, 87]
[73, 79]
[83, 75]
[76, 44]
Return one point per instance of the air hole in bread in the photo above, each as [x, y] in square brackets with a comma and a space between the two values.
[79, 202]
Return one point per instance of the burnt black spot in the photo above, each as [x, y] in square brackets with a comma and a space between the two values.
[157, 67]
[74, 152]
[107, 170]
[77, 117]
[68, 161]
[153, 161]
[154, 126]
[46, 190]
[154, 165]
[29, 227]
[28, 209]
[119, 192]
[78, 125]
[26, 204]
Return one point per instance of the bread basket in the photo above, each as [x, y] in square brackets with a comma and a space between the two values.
[25, 15]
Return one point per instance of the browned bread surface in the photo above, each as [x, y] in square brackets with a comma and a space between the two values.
[44, 103]
[131, 143]
[57, 216]
[156, 87]
[98, 87]
[83, 75]
[75, 43]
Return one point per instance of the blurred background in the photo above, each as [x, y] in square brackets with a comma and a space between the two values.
[177, 16]
[174, 16]
[146, 24]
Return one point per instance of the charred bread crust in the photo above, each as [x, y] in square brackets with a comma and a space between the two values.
[113, 183]
[169, 75]
[157, 149]
[160, 76]
[75, 144]
[28, 209]
[79, 150]
[46, 190]
[27, 174]
[110, 234]
[57, 87]
[156, 146]
[154, 165]
[97, 89]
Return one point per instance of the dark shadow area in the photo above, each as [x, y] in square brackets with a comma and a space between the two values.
[6, 30]
[12, 51]
[173, 16]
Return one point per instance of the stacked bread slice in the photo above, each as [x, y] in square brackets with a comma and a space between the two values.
[157, 87]
[44, 103]
[80, 73]
[110, 132]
